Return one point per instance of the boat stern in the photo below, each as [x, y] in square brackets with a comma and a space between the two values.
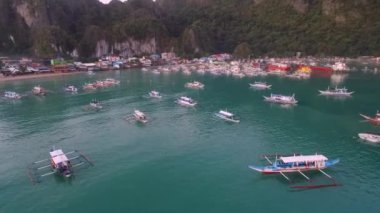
[332, 162]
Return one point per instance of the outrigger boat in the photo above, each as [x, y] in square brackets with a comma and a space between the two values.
[95, 104]
[194, 85]
[140, 116]
[61, 164]
[260, 85]
[340, 92]
[227, 116]
[186, 101]
[281, 99]
[297, 163]
[11, 95]
[71, 89]
[374, 120]
[154, 94]
[38, 90]
[370, 137]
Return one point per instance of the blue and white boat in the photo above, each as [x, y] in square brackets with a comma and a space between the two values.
[299, 164]
[296, 163]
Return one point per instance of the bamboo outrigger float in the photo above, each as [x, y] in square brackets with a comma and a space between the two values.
[296, 163]
[61, 164]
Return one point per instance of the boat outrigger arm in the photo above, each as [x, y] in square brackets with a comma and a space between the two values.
[42, 168]
[332, 182]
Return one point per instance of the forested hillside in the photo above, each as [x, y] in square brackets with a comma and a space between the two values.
[87, 28]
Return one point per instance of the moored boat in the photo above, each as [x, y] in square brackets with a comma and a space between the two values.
[227, 116]
[370, 137]
[154, 94]
[340, 66]
[71, 89]
[296, 163]
[38, 90]
[194, 85]
[95, 104]
[186, 101]
[281, 99]
[260, 85]
[373, 120]
[11, 95]
[140, 116]
[60, 163]
[341, 92]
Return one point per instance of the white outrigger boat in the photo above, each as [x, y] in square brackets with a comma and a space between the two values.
[38, 90]
[140, 116]
[260, 85]
[281, 99]
[71, 89]
[61, 164]
[194, 85]
[11, 95]
[370, 137]
[340, 92]
[154, 94]
[297, 163]
[95, 104]
[186, 101]
[227, 116]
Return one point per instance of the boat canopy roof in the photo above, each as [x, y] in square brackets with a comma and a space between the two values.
[303, 158]
[139, 113]
[58, 156]
[186, 98]
[225, 113]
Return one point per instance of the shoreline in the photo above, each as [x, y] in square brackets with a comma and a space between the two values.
[35, 76]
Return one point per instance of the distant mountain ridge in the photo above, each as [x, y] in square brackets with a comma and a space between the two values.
[88, 28]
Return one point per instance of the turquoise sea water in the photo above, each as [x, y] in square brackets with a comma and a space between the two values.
[184, 159]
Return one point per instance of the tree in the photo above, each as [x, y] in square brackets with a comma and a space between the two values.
[243, 50]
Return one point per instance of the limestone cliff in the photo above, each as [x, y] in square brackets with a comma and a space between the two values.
[88, 28]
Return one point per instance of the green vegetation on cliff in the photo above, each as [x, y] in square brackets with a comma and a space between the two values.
[193, 27]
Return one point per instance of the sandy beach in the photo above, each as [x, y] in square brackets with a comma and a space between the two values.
[34, 76]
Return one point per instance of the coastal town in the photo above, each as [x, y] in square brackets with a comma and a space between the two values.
[218, 64]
